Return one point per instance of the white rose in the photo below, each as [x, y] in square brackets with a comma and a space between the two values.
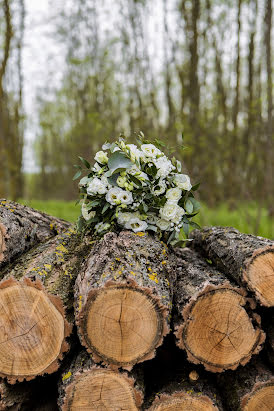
[150, 150]
[164, 166]
[182, 181]
[163, 224]
[123, 218]
[101, 157]
[97, 168]
[125, 197]
[179, 214]
[87, 215]
[168, 212]
[135, 224]
[96, 186]
[174, 194]
[159, 189]
[113, 196]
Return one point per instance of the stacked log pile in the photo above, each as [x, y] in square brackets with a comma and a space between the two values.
[127, 323]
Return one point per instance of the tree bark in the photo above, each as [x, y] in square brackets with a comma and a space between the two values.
[22, 227]
[214, 324]
[36, 296]
[86, 385]
[249, 388]
[247, 259]
[123, 299]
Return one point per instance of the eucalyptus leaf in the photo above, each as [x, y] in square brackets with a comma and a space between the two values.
[118, 162]
[77, 175]
[186, 228]
[189, 206]
[85, 162]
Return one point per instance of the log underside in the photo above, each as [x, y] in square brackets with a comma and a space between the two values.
[261, 398]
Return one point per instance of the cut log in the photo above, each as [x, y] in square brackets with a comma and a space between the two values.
[33, 296]
[250, 388]
[187, 393]
[123, 299]
[245, 258]
[22, 227]
[86, 386]
[214, 323]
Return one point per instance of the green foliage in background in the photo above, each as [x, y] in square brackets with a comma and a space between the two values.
[245, 217]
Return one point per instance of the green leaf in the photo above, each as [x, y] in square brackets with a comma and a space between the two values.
[152, 228]
[195, 187]
[118, 162]
[195, 203]
[106, 206]
[77, 175]
[193, 224]
[85, 162]
[135, 180]
[186, 228]
[189, 206]
[112, 179]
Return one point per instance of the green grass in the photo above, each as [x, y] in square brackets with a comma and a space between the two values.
[244, 218]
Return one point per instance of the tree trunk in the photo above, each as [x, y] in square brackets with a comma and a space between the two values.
[245, 258]
[123, 299]
[87, 386]
[22, 227]
[36, 296]
[250, 388]
[216, 331]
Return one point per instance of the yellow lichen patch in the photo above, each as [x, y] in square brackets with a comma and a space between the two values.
[153, 277]
[66, 376]
[140, 234]
[80, 302]
[164, 262]
[48, 266]
[132, 273]
[62, 248]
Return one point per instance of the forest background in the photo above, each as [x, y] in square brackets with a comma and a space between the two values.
[197, 73]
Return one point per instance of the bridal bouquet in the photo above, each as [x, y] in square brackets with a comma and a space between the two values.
[138, 188]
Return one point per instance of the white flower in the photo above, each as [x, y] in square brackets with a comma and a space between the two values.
[150, 150]
[182, 181]
[169, 211]
[113, 196]
[87, 215]
[179, 214]
[152, 219]
[125, 197]
[164, 166]
[97, 168]
[102, 227]
[135, 224]
[135, 153]
[163, 224]
[160, 188]
[123, 218]
[174, 194]
[121, 181]
[96, 186]
[101, 157]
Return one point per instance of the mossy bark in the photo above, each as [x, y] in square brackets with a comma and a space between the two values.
[22, 227]
[134, 270]
[212, 316]
[242, 257]
[239, 387]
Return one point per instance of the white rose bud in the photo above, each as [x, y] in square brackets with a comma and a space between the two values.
[174, 194]
[182, 181]
[101, 157]
[150, 150]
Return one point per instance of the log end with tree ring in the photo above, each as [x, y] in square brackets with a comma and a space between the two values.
[217, 331]
[32, 330]
[122, 324]
[261, 398]
[100, 389]
[183, 401]
[259, 275]
[3, 232]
